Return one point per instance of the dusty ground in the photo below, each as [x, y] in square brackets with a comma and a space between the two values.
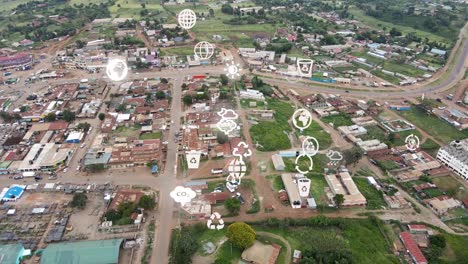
[86, 221]
[30, 199]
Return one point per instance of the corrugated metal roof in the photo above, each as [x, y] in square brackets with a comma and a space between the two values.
[83, 252]
[10, 253]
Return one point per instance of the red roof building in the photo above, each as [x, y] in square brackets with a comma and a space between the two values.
[417, 228]
[413, 248]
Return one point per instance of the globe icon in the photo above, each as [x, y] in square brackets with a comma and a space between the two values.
[187, 19]
[204, 50]
[116, 69]
[237, 169]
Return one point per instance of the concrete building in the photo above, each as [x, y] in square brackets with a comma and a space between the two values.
[455, 157]
[442, 204]
[292, 190]
[278, 162]
[252, 94]
[45, 157]
[354, 130]
[342, 183]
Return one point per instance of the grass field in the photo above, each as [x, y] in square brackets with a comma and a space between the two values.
[434, 126]
[373, 196]
[316, 131]
[177, 51]
[338, 120]
[361, 237]
[379, 24]
[369, 58]
[276, 182]
[8, 5]
[131, 8]
[451, 186]
[272, 135]
[405, 69]
[131, 131]
[388, 78]
[209, 26]
[155, 135]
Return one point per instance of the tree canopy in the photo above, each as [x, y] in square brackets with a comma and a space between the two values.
[241, 235]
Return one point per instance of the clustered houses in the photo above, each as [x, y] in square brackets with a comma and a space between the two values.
[84, 99]
[38, 147]
[132, 130]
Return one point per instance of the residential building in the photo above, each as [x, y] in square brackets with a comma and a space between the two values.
[413, 249]
[455, 157]
[442, 204]
[260, 253]
[342, 183]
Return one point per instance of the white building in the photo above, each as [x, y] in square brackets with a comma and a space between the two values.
[455, 157]
[252, 94]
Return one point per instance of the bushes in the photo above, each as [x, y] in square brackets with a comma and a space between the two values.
[184, 243]
[79, 200]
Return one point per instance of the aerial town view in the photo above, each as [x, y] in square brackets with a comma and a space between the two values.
[233, 131]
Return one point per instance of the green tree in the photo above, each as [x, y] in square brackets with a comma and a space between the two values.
[84, 126]
[227, 9]
[79, 200]
[68, 115]
[113, 215]
[338, 199]
[211, 12]
[437, 241]
[222, 138]
[353, 155]
[241, 235]
[188, 99]
[102, 116]
[121, 108]
[95, 168]
[146, 202]
[224, 79]
[50, 117]
[160, 95]
[164, 80]
[24, 108]
[80, 44]
[233, 205]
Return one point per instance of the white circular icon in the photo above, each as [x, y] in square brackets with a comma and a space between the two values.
[215, 217]
[302, 119]
[203, 50]
[311, 164]
[310, 146]
[187, 19]
[232, 70]
[116, 69]
[412, 142]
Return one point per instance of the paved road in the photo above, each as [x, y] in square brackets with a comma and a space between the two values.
[167, 183]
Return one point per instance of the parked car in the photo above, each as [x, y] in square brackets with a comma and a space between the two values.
[37, 178]
[18, 177]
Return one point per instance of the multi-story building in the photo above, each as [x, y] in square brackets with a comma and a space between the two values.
[455, 157]
[16, 61]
